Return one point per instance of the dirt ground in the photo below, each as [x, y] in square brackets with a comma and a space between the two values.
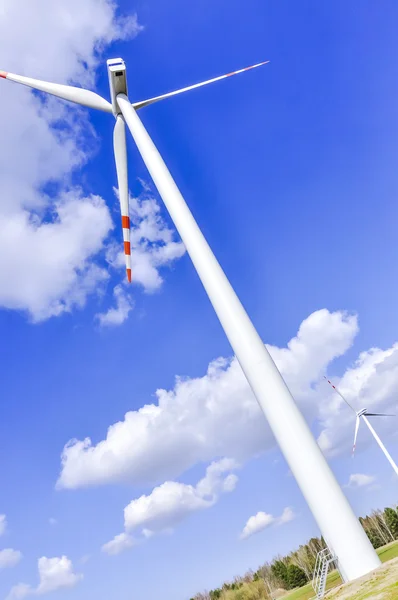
[381, 584]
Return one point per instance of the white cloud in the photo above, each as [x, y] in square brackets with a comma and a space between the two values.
[152, 243]
[262, 520]
[47, 248]
[119, 544]
[171, 503]
[9, 558]
[165, 507]
[214, 483]
[19, 591]
[3, 524]
[54, 574]
[256, 523]
[117, 315]
[75, 36]
[64, 274]
[208, 417]
[360, 480]
[287, 516]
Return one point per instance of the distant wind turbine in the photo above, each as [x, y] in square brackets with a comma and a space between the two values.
[335, 517]
[363, 414]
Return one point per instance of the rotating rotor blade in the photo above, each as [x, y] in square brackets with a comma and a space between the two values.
[368, 414]
[356, 434]
[143, 103]
[339, 393]
[119, 144]
[66, 92]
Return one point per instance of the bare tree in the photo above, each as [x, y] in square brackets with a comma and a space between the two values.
[382, 518]
[302, 558]
[315, 545]
[248, 576]
[267, 575]
[202, 596]
[378, 525]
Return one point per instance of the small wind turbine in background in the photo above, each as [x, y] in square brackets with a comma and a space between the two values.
[363, 414]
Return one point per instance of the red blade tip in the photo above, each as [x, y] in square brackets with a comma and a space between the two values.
[3, 74]
[128, 275]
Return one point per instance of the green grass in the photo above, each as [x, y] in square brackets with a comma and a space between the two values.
[388, 552]
[306, 592]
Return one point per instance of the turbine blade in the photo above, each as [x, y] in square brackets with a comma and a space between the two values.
[66, 92]
[356, 434]
[339, 393]
[382, 446]
[143, 103]
[378, 415]
[119, 144]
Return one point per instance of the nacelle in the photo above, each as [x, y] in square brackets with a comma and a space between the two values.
[117, 81]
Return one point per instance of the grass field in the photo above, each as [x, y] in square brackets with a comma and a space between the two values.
[388, 552]
[306, 592]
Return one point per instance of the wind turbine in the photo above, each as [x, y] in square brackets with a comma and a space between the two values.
[339, 526]
[363, 414]
[118, 90]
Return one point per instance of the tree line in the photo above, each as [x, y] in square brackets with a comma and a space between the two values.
[297, 568]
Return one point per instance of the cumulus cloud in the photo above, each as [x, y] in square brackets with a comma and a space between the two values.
[75, 38]
[48, 248]
[360, 480]
[3, 524]
[63, 275]
[205, 418]
[256, 523]
[262, 520]
[9, 558]
[118, 314]
[19, 591]
[286, 516]
[171, 503]
[54, 574]
[119, 544]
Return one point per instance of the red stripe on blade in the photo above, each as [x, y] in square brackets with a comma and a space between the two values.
[247, 68]
[125, 222]
[3, 74]
[128, 271]
[127, 248]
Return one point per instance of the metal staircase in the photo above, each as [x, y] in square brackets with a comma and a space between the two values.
[323, 560]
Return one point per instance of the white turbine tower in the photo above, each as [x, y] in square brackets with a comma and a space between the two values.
[363, 414]
[330, 508]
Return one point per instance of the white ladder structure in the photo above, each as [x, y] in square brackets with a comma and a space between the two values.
[323, 560]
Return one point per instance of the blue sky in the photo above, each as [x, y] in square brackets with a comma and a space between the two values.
[290, 171]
